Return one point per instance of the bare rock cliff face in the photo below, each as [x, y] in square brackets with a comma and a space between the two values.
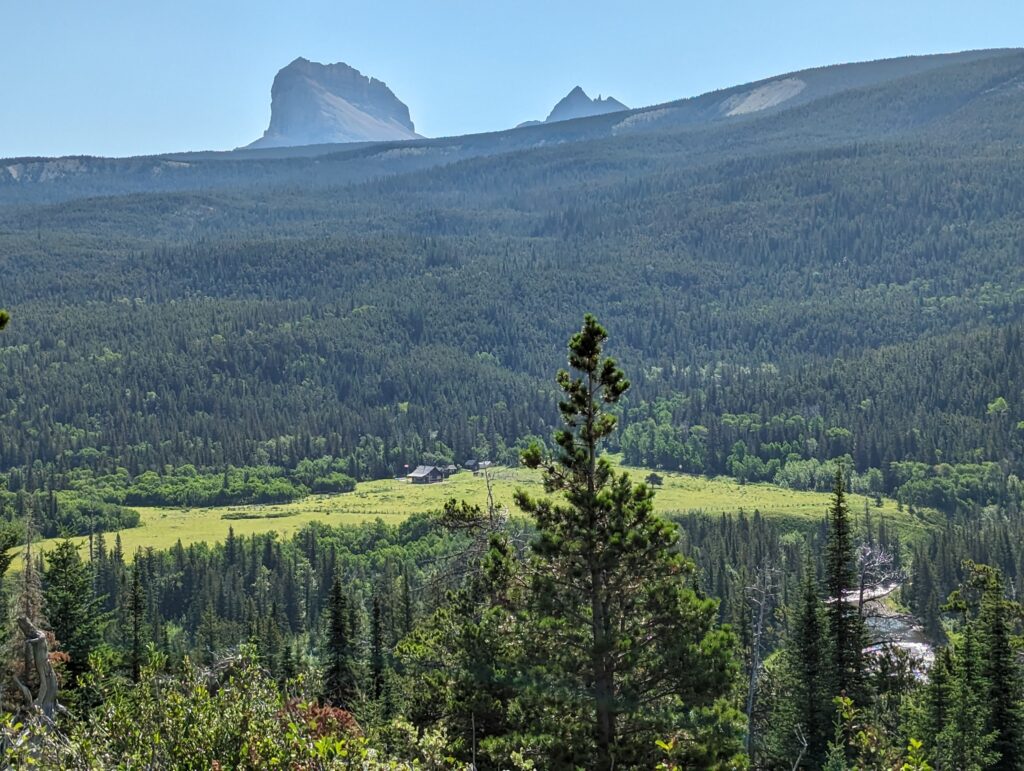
[314, 103]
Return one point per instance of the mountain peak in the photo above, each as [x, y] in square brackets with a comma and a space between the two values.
[314, 103]
[576, 104]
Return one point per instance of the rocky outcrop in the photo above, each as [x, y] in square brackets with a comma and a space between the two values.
[313, 103]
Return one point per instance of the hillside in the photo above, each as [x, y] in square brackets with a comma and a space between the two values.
[783, 278]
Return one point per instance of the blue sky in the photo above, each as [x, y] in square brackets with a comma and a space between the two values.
[111, 77]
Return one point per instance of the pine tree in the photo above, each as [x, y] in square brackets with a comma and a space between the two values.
[630, 649]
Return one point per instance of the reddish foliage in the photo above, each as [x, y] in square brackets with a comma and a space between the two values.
[324, 720]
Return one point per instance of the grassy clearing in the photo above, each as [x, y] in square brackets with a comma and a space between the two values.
[393, 500]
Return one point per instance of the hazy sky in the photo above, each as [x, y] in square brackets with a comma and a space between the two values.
[120, 77]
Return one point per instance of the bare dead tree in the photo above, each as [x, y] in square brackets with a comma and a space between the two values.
[798, 732]
[761, 596]
[479, 524]
[37, 649]
[876, 569]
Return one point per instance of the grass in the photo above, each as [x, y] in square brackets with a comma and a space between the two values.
[394, 500]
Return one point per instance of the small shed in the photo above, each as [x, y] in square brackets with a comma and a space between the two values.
[448, 470]
[423, 475]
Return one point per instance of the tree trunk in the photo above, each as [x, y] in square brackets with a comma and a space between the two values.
[38, 652]
[604, 681]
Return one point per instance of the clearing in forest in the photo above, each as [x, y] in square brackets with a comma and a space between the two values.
[392, 500]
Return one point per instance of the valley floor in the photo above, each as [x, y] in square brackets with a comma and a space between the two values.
[392, 500]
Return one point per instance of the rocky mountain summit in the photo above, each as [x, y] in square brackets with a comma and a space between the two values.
[576, 104]
[313, 103]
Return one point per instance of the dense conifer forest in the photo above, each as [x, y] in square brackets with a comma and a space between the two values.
[827, 296]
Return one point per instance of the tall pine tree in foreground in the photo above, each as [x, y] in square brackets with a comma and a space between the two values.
[631, 652]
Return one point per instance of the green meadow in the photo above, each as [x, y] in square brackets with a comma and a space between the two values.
[393, 500]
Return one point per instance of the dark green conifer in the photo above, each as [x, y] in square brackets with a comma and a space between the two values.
[339, 674]
[136, 608]
[74, 612]
[846, 632]
[631, 653]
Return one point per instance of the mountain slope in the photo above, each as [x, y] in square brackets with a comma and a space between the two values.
[787, 277]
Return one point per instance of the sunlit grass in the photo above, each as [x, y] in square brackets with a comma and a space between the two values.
[393, 500]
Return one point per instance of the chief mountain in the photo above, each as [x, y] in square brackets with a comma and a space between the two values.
[314, 103]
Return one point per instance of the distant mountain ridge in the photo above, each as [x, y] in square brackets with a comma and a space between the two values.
[313, 103]
[821, 106]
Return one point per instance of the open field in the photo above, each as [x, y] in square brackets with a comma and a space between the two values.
[393, 500]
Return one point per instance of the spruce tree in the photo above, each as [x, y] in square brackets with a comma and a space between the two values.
[136, 608]
[846, 631]
[74, 612]
[339, 674]
[965, 742]
[807, 660]
[630, 650]
[376, 648]
[935, 701]
[1002, 672]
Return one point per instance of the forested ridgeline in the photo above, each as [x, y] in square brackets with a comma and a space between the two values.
[826, 297]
